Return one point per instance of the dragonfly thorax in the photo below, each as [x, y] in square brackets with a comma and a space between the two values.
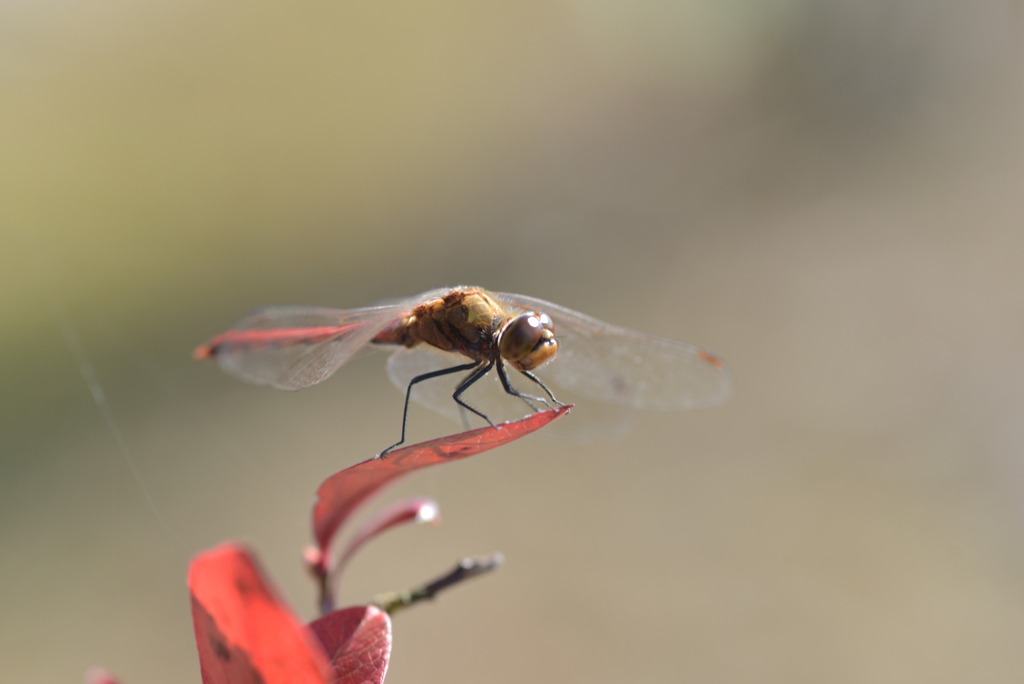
[464, 321]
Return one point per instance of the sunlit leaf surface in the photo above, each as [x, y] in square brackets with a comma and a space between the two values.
[346, 490]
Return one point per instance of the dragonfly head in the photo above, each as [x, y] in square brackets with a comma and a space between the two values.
[528, 340]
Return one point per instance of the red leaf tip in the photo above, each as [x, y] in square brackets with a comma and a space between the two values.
[314, 560]
[99, 675]
[429, 513]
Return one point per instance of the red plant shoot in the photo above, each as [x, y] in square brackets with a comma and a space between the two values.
[246, 634]
[340, 495]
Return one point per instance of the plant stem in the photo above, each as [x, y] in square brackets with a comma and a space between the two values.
[393, 601]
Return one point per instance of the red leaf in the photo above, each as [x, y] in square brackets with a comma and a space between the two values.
[418, 510]
[243, 631]
[346, 490]
[360, 639]
[100, 675]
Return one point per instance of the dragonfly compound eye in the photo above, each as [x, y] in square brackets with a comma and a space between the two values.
[528, 341]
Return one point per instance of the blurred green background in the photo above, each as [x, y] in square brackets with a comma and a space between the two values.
[828, 193]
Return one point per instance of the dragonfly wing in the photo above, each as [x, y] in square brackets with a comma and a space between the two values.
[621, 366]
[291, 347]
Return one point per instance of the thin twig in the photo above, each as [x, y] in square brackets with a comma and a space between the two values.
[393, 601]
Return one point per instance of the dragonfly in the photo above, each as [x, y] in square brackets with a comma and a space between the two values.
[470, 332]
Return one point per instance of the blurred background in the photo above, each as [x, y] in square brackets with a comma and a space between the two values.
[828, 193]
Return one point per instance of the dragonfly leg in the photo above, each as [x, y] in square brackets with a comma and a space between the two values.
[516, 393]
[542, 386]
[420, 378]
[465, 384]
